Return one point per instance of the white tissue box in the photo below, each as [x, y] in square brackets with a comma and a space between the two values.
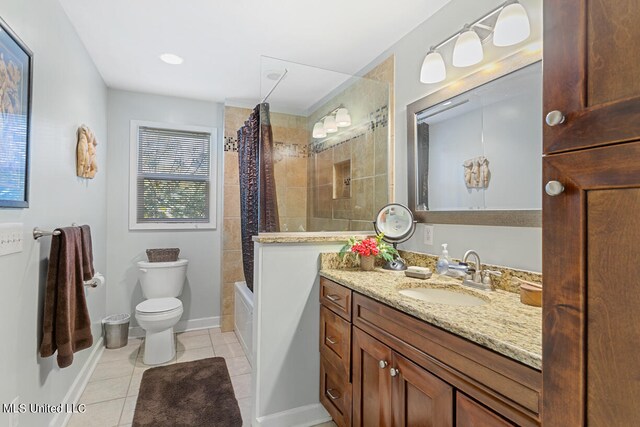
[418, 272]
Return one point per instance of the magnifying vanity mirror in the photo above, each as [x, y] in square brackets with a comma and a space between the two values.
[475, 153]
[396, 223]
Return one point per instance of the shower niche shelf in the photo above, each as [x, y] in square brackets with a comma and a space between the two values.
[342, 180]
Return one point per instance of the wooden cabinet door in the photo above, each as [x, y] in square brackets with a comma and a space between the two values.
[371, 381]
[471, 414]
[419, 399]
[591, 297]
[591, 72]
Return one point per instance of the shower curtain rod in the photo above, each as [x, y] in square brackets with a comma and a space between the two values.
[275, 86]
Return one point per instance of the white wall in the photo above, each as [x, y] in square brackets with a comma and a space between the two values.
[286, 327]
[67, 92]
[201, 296]
[511, 246]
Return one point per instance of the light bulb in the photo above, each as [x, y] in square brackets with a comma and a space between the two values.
[468, 49]
[318, 130]
[330, 125]
[343, 119]
[512, 26]
[433, 69]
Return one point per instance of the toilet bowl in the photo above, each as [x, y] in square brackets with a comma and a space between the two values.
[162, 283]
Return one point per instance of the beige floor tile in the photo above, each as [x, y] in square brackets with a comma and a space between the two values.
[140, 362]
[228, 350]
[238, 366]
[242, 385]
[191, 342]
[224, 338]
[245, 410]
[115, 369]
[215, 331]
[128, 410]
[193, 333]
[195, 354]
[100, 391]
[103, 414]
[134, 386]
[130, 351]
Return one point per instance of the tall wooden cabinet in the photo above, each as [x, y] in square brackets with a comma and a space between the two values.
[591, 223]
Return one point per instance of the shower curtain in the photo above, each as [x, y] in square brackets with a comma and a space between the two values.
[258, 200]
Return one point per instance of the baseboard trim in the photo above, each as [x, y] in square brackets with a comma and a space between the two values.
[79, 384]
[303, 416]
[182, 326]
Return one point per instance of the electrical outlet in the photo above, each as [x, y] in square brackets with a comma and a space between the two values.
[14, 416]
[11, 238]
[428, 235]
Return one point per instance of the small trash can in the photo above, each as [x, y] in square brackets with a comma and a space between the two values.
[116, 330]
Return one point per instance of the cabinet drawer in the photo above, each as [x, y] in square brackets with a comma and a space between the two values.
[336, 298]
[335, 340]
[472, 414]
[335, 393]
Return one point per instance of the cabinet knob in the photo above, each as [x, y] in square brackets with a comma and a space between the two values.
[383, 364]
[394, 372]
[554, 118]
[553, 188]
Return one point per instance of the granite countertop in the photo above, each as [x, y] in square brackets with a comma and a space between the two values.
[308, 237]
[504, 324]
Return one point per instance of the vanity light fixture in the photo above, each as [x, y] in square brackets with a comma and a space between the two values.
[318, 130]
[330, 125]
[433, 69]
[338, 118]
[511, 27]
[171, 59]
[343, 119]
[468, 49]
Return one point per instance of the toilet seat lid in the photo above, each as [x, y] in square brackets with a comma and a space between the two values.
[158, 305]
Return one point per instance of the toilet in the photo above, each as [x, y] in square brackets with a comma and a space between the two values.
[162, 283]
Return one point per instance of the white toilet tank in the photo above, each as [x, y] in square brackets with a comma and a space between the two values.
[162, 279]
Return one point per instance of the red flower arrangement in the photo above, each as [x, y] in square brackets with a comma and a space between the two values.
[367, 247]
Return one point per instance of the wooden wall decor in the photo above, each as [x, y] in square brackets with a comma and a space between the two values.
[86, 160]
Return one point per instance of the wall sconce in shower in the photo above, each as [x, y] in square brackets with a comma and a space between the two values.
[338, 118]
[511, 27]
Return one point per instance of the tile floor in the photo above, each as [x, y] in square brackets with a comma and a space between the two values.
[112, 390]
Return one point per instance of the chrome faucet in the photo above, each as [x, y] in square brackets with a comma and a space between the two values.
[478, 278]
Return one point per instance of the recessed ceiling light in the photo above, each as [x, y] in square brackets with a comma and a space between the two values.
[172, 59]
[273, 75]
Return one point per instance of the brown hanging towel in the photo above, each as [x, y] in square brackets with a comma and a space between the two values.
[66, 326]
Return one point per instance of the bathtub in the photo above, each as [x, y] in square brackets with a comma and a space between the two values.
[243, 317]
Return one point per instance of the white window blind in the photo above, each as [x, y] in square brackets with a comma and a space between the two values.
[173, 176]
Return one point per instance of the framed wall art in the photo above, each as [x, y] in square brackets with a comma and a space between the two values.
[16, 75]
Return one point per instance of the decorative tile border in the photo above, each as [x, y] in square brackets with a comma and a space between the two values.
[230, 144]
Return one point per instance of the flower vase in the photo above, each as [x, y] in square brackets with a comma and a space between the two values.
[367, 263]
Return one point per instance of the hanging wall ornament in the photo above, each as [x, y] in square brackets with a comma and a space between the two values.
[86, 161]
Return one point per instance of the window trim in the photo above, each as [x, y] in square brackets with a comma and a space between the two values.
[133, 176]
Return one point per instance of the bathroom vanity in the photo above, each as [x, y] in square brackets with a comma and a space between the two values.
[388, 359]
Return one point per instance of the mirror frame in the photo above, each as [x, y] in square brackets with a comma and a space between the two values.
[506, 218]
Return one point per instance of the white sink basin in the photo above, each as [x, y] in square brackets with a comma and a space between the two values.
[443, 296]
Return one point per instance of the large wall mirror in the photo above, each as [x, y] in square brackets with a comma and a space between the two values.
[475, 155]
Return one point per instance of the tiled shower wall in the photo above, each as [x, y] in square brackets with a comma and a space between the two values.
[367, 145]
[290, 142]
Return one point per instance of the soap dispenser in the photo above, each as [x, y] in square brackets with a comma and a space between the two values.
[442, 266]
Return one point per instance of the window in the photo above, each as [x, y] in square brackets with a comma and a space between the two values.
[172, 182]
